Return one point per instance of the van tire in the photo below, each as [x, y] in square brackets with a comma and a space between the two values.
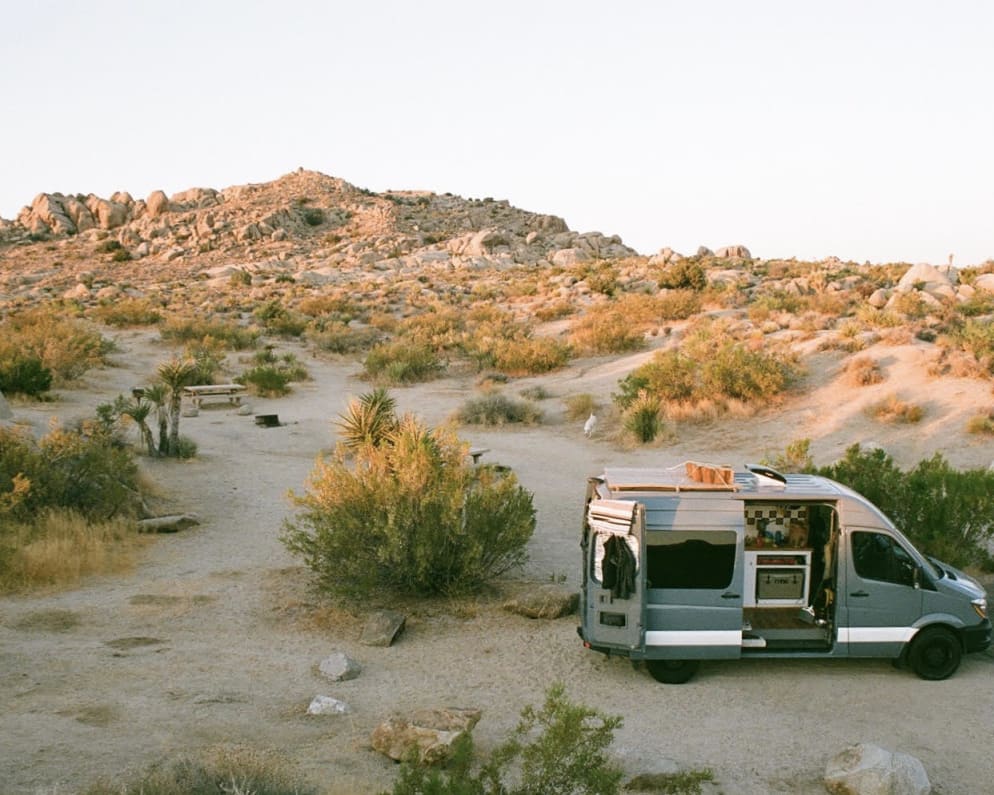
[672, 672]
[935, 653]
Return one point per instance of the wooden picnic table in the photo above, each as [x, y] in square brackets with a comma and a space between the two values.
[232, 392]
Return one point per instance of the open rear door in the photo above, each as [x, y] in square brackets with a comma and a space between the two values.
[614, 582]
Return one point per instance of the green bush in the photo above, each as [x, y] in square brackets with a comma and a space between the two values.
[279, 320]
[497, 408]
[87, 470]
[24, 375]
[122, 255]
[684, 274]
[109, 246]
[605, 329]
[313, 216]
[558, 749]
[266, 380]
[411, 515]
[530, 356]
[643, 419]
[946, 512]
[402, 362]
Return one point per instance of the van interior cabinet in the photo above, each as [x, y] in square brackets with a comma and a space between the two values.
[777, 577]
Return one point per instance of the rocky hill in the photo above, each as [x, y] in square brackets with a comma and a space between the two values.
[318, 229]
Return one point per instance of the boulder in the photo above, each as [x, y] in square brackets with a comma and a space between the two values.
[866, 769]
[109, 215]
[326, 705]
[156, 204]
[382, 628]
[728, 252]
[984, 282]
[879, 298]
[429, 733]
[567, 257]
[339, 667]
[546, 601]
[49, 210]
[921, 276]
[704, 251]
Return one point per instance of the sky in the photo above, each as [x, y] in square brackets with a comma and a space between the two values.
[862, 130]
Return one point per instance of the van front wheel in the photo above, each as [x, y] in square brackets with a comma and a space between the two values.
[672, 672]
[935, 653]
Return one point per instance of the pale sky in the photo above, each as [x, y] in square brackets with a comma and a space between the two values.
[863, 130]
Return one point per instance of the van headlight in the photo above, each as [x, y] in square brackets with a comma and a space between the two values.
[980, 605]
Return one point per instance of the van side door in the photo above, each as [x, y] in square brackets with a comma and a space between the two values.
[880, 599]
[615, 574]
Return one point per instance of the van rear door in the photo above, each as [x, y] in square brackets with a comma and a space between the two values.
[614, 580]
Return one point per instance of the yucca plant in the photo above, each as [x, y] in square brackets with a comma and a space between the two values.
[642, 419]
[176, 374]
[369, 419]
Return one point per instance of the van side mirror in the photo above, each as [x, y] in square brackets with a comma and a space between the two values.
[916, 577]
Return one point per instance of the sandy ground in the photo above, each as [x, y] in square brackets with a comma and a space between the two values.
[215, 637]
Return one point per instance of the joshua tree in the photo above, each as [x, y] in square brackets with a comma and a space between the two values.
[174, 375]
[157, 394]
[138, 410]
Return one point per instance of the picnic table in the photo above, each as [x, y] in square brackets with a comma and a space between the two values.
[232, 392]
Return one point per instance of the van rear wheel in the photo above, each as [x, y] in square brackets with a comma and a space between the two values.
[935, 653]
[672, 672]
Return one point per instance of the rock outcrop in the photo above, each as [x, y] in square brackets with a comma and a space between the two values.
[866, 769]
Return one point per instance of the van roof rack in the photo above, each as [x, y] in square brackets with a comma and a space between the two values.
[691, 476]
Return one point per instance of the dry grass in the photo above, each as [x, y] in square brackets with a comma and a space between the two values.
[981, 424]
[579, 407]
[891, 409]
[862, 371]
[60, 548]
[52, 620]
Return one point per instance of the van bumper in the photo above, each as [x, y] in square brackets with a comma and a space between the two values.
[977, 638]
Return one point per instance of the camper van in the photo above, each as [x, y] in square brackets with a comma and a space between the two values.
[703, 563]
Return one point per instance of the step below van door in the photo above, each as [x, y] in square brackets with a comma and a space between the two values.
[694, 594]
[879, 603]
[615, 579]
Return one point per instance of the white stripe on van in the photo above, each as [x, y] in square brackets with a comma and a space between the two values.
[688, 637]
[876, 634]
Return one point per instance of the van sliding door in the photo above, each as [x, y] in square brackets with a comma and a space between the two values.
[613, 607]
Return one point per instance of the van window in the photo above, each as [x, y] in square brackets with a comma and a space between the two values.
[691, 559]
[877, 556]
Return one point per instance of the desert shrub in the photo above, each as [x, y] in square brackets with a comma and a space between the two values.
[909, 304]
[605, 329]
[600, 278]
[197, 330]
[683, 274]
[66, 346]
[220, 771]
[267, 380]
[684, 782]
[796, 457]
[428, 520]
[277, 319]
[335, 306]
[59, 547]
[982, 424]
[557, 749]
[677, 304]
[497, 408]
[976, 339]
[335, 336]
[538, 392]
[402, 361]
[554, 311]
[109, 246]
[128, 312]
[207, 357]
[369, 420]
[240, 278]
[892, 409]
[529, 356]
[579, 407]
[863, 371]
[642, 418]
[24, 375]
[185, 448]
[87, 470]
[313, 216]
[121, 255]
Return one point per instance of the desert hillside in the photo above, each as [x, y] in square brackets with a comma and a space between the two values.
[557, 353]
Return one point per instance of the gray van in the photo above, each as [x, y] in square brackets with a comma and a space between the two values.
[703, 563]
